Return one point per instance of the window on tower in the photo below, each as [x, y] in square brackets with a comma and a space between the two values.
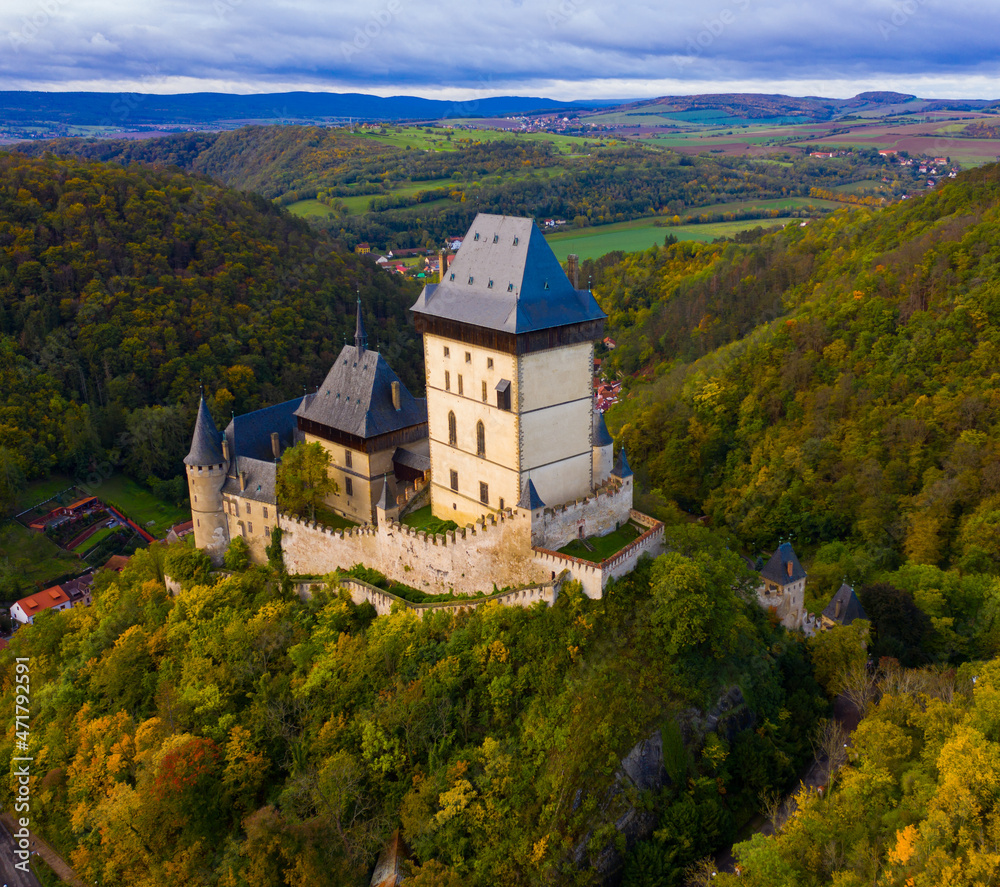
[484, 493]
[452, 430]
[447, 381]
[454, 480]
[480, 439]
[460, 391]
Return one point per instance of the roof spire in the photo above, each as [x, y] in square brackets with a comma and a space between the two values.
[360, 339]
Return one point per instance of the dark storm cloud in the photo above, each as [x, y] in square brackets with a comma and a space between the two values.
[502, 46]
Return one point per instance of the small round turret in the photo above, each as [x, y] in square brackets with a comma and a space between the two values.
[207, 465]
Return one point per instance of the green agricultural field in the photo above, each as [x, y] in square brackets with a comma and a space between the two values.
[140, 505]
[310, 209]
[33, 555]
[640, 234]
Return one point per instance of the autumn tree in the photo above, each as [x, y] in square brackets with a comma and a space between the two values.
[303, 479]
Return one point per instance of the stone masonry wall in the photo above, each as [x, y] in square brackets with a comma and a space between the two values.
[594, 577]
[495, 552]
[382, 601]
[597, 515]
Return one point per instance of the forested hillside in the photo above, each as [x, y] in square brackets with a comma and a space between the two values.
[233, 735]
[122, 290]
[835, 381]
[588, 183]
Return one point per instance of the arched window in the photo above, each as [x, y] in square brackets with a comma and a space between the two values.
[480, 439]
[452, 430]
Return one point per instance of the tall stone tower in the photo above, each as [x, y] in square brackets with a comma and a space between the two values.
[206, 465]
[509, 357]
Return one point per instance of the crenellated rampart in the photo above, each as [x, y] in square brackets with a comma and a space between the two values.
[494, 552]
[593, 576]
[382, 601]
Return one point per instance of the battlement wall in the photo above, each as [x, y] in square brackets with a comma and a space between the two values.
[606, 509]
[382, 601]
[495, 552]
[594, 577]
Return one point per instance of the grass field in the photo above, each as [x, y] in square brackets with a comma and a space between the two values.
[312, 209]
[33, 555]
[40, 490]
[640, 234]
[102, 533]
[602, 547]
[139, 504]
[422, 519]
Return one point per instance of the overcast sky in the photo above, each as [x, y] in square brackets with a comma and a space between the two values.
[564, 49]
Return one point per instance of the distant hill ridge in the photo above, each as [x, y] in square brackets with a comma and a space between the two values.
[82, 108]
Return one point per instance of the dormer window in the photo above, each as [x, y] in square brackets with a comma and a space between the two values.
[510, 287]
[476, 237]
[496, 238]
[452, 276]
[546, 285]
[515, 241]
[489, 285]
[470, 281]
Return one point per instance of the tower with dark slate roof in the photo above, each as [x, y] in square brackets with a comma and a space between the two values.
[508, 352]
[370, 424]
[206, 466]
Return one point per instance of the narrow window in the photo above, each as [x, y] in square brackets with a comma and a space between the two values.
[454, 480]
[480, 439]
[248, 509]
[349, 486]
[452, 429]
[265, 511]
[484, 391]
[347, 459]
[484, 493]
[447, 381]
[267, 532]
[195, 498]
[237, 504]
[199, 522]
[501, 504]
[447, 350]
[249, 528]
[468, 357]
[489, 363]
[460, 383]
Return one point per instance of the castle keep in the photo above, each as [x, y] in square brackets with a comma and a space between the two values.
[508, 442]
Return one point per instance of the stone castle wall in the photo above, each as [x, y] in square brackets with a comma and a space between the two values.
[593, 576]
[597, 515]
[382, 601]
[495, 552]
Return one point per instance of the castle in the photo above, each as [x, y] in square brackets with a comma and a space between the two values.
[507, 444]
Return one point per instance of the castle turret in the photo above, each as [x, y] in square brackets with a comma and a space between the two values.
[602, 448]
[206, 466]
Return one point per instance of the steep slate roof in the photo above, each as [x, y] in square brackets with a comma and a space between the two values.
[530, 499]
[850, 606]
[416, 461]
[602, 437]
[356, 397]
[250, 434]
[206, 445]
[622, 468]
[260, 477]
[506, 277]
[776, 568]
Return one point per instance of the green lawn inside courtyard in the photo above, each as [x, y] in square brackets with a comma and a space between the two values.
[600, 548]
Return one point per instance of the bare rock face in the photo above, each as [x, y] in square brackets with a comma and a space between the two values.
[643, 770]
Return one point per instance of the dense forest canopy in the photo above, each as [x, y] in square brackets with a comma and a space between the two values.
[234, 735]
[122, 291]
[835, 381]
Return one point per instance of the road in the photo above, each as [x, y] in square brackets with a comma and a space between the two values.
[10, 876]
